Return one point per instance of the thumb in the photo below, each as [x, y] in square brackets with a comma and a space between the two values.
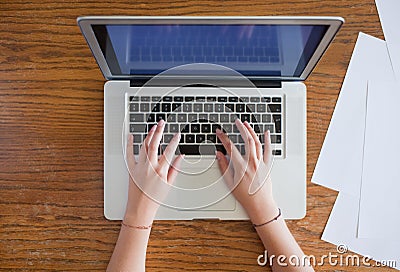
[226, 172]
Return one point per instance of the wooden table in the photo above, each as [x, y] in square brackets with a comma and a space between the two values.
[51, 140]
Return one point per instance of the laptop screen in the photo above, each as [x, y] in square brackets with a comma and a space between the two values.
[252, 50]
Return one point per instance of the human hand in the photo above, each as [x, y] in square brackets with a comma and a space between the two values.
[249, 176]
[150, 176]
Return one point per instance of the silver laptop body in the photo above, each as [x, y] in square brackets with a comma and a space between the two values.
[213, 68]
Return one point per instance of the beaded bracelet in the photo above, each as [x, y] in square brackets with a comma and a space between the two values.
[136, 227]
[269, 221]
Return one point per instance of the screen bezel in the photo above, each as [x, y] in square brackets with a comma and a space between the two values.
[86, 25]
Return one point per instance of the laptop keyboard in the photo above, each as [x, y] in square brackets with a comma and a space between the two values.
[198, 117]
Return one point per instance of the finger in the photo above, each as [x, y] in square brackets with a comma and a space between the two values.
[130, 157]
[174, 169]
[226, 172]
[145, 145]
[232, 151]
[169, 152]
[154, 144]
[267, 147]
[256, 140]
[248, 140]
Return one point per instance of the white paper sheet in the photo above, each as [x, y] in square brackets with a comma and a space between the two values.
[380, 188]
[342, 227]
[339, 165]
[389, 15]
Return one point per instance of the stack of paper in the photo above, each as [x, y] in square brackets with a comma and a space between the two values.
[360, 156]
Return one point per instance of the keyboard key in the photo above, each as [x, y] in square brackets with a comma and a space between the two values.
[257, 128]
[134, 107]
[203, 149]
[208, 107]
[189, 138]
[182, 118]
[197, 107]
[214, 127]
[221, 148]
[192, 117]
[219, 108]
[277, 152]
[211, 99]
[195, 128]
[233, 138]
[189, 98]
[205, 128]
[203, 117]
[134, 98]
[229, 107]
[200, 99]
[149, 126]
[212, 138]
[255, 118]
[174, 127]
[227, 128]
[150, 117]
[171, 118]
[134, 128]
[222, 99]
[224, 118]
[277, 120]
[137, 117]
[167, 98]
[137, 138]
[276, 99]
[155, 107]
[240, 107]
[184, 128]
[187, 107]
[144, 107]
[270, 128]
[266, 118]
[274, 108]
[233, 117]
[276, 139]
[136, 149]
[213, 118]
[167, 138]
[166, 107]
[176, 107]
[261, 108]
[244, 99]
[250, 108]
[254, 99]
[155, 98]
[178, 98]
[267, 99]
[233, 99]
[200, 138]
[145, 98]
[245, 117]
[160, 116]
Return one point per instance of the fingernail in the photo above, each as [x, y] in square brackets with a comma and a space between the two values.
[161, 122]
[217, 155]
[218, 131]
[153, 128]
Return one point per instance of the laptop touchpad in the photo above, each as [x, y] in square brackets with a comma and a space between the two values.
[200, 186]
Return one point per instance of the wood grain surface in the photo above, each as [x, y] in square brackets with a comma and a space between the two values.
[51, 140]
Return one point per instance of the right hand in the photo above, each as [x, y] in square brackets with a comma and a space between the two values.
[249, 176]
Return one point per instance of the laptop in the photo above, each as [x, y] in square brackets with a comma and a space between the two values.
[199, 74]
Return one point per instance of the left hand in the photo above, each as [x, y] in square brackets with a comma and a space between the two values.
[147, 172]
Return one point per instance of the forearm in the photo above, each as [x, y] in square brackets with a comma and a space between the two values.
[278, 241]
[130, 251]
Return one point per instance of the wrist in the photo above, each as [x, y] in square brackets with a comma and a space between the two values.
[137, 218]
[263, 213]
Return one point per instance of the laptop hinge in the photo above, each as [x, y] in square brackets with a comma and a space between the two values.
[140, 82]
